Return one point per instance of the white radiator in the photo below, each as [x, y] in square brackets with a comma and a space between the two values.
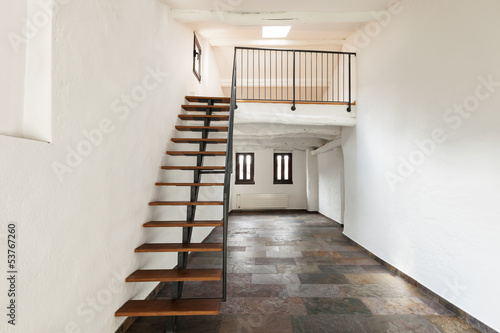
[262, 201]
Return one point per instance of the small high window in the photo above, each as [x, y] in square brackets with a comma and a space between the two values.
[245, 168]
[283, 168]
[197, 58]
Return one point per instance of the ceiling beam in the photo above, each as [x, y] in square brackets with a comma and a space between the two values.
[327, 147]
[276, 42]
[273, 18]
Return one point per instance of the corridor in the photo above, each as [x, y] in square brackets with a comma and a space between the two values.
[296, 272]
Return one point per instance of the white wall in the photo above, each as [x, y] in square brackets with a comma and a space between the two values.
[77, 234]
[330, 177]
[263, 176]
[12, 66]
[436, 220]
[312, 180]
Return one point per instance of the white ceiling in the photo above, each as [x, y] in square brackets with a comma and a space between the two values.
[320, 23]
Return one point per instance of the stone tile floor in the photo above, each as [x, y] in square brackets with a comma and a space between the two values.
[297, 272]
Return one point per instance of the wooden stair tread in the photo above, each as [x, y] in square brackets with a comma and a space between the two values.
[189, 184]
[198, 140]
[186, 203]
[205, 99]
[160, 308]
[203, 117]
[179, 247]
[174, 167]
[201, 128]
[187, 153]
[173, 224]
[203, 108]
[174, 275]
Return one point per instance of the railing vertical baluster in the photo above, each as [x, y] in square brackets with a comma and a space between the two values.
[259, 71]
[293, 106]
[316, 76]
[311, 77]
[248, 66]
[322, 77]
[253, 74]
[276, 81]
[327, 78]
[241, 73]
[276, 71]
[300, 74]
[281, 52]
[265, 76]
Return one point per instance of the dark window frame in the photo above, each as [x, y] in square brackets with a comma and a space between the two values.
[197, 58]
[250, 181]
[290, 169]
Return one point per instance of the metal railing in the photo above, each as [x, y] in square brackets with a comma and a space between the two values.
[282, 75]
[227, 178]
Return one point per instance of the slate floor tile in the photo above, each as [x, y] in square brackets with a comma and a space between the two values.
[391, 306]
[256, 324]
[264, 305]
[396, 324]
[450, 324]
[336, 306]
[297, 273]
[322, 278]
[327, 324]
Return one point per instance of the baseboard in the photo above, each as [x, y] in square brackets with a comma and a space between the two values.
[429, 293]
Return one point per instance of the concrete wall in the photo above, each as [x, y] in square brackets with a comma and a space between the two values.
[297, 197]
[422, 165]
[120, 71]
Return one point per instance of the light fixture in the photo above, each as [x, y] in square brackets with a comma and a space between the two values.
[275, 31]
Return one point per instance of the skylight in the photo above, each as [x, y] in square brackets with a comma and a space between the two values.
[275, 31]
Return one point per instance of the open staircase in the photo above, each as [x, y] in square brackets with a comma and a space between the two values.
[203, 111]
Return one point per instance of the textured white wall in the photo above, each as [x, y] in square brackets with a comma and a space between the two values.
[330, 166]
[422, 164]
[77, 232]
[297, 197]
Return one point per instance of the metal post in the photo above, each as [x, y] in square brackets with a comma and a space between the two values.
[293, 106]
[349, 107]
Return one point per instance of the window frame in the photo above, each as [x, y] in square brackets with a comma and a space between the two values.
[250, 181]
[283, 181]
[197, 52]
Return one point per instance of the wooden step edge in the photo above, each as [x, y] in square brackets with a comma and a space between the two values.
[186, 203]
[195, 152]
[160, 308]
[203, 107]
[201, 128]
[179, 247]
[189, 184]
[176, 224]
[175, 275]
[190, 168]
[196, 140]
[199, 99]
[196, 117]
